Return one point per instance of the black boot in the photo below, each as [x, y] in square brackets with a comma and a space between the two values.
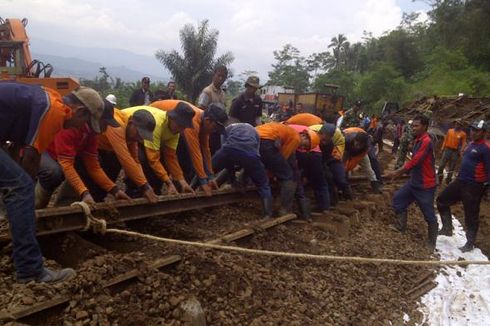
[347, 194]
[288, 189]
[304, 209]
[267, 207]
[401, 221]
[432, 229]
[447, 223]
[470, 241]
[376, 187]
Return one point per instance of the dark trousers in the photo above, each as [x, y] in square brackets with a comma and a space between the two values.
[228, 158]
[184, 158]
[424, 198]
[17, 193]
[373, 159]
[470, 193]
[396, 143]
[311, 167]
[154, 181]
[275, 162]
[337, 171]
[50, 173]
[449, 157]
[214, 142]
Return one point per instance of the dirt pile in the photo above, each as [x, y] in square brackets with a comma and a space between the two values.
[445, 110]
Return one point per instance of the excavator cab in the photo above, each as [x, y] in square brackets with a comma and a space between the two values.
[16, 62]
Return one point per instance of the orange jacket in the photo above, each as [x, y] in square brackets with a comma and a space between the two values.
[304, 119]
[197, 139]
[114, 140]
[288, 137]
[454, 140]
[351, 162]
[53, 120]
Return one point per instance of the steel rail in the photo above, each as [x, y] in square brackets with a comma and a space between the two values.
[67, 218]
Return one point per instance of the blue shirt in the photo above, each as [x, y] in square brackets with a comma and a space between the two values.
[242, 137]
[22, 108]
[475, 166]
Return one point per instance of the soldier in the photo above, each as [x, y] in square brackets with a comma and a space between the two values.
[351, 117]
[405, 141]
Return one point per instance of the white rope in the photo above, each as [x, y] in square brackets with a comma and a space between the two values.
[347, 259]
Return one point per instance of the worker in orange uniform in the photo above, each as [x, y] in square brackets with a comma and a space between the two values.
[310, 166]
[118, 147]
[162, 149]
[58, 162]
[48, 114]
[304, 119]
[452, 148]
[357, 147]
[195, 141]
[278, 144]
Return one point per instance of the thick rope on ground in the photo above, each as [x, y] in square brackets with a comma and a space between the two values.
[359, 260]
[97, 225]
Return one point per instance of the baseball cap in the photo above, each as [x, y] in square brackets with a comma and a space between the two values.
[93, 102]
[216, 113]
[145, 80]
[328, 129]
[145, 123]
[478, 125]
[253, 81]
[108, 114]
[182, 115]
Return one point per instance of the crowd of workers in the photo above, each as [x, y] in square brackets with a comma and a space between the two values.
[79, 143]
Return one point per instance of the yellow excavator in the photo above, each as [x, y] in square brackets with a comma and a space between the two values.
[17, 64]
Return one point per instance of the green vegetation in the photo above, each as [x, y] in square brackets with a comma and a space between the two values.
[193, 69]
[447, 55]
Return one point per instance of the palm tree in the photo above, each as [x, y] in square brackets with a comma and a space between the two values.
[339, 45]
[193, 69]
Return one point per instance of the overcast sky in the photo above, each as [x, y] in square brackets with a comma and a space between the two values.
[251, 29]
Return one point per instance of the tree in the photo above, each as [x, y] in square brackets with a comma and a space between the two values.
[339, 44]
[290, 69]
[193, 69]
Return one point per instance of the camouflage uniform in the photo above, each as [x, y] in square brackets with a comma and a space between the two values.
[350, 119]
[407, 138]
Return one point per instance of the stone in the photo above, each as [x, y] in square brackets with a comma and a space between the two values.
[192, 312]
[82, 314]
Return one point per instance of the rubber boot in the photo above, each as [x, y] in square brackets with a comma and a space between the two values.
[42, 196]
[401, 221]
[347, 193]
[288, 189]
[432, 229]
[267, 207]
[470, 241]
[447, 223]
[376, 187]
[304, 209]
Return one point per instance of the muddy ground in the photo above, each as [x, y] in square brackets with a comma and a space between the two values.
[238, 289]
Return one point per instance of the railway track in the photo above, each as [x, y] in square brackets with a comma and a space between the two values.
[124, 278]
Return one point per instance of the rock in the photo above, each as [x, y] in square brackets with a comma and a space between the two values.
[192, 312]
[27, 301]
[82, 314]
[174, 301]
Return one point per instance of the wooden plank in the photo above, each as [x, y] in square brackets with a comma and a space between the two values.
[265, 224]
